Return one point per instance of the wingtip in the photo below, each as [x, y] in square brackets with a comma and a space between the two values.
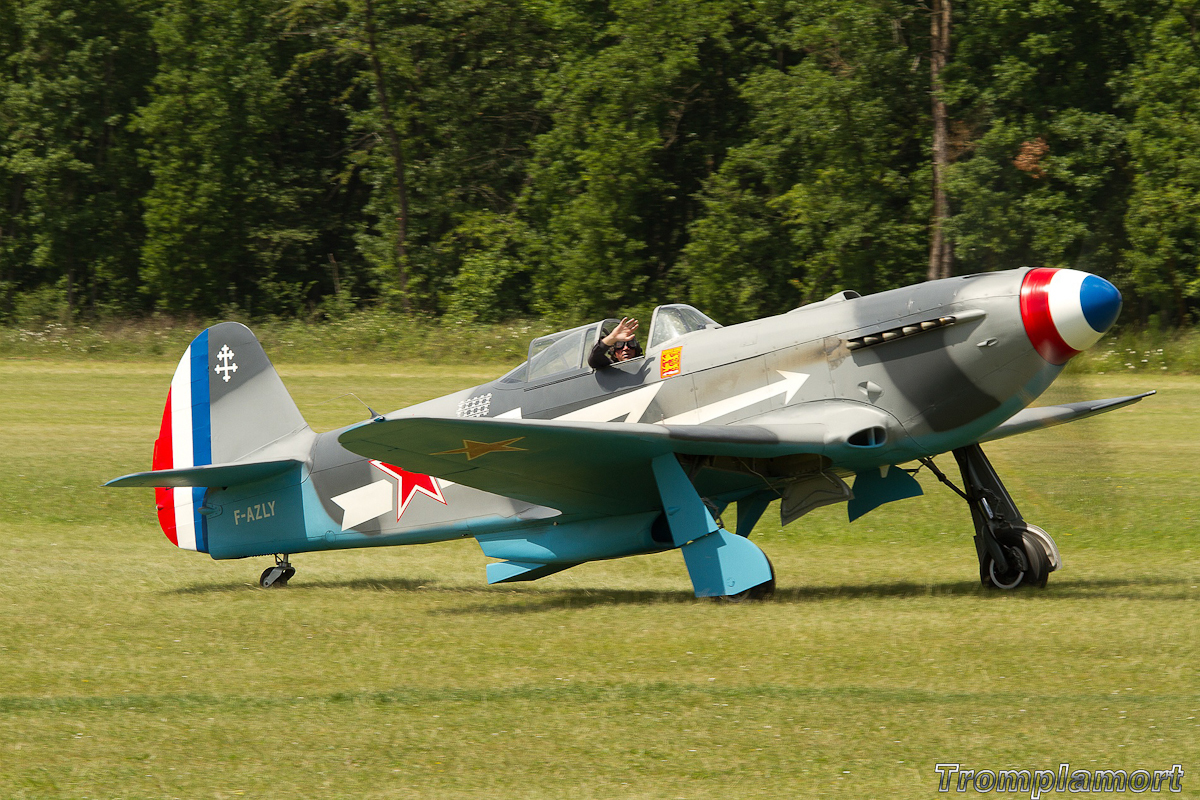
[124, 480]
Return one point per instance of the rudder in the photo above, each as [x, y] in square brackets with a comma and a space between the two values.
[226, 402]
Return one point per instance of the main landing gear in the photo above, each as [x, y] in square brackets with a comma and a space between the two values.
[748, 516]
[760, 592]
[1012, 553]
[277, 575]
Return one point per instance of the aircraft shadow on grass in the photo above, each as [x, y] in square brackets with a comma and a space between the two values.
[1066, 590]
[363, 584]
[532, 602]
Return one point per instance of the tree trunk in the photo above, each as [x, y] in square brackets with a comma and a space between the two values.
[397, 161]
[941, 256]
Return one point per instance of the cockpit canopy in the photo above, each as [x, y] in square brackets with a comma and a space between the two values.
[561, 354]
[673, 321]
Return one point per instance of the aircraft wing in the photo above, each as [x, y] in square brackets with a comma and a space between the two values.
[576, 467]
[1048, 416]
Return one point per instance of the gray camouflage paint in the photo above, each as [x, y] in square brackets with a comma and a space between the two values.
[927, 392]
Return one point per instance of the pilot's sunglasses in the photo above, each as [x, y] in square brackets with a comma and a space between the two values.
[625, 346]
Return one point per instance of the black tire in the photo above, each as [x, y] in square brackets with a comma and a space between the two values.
[1039, 561]
[1013, 578]
[1048, 546]
[993, 578]
[1029, 566]
[280, 581]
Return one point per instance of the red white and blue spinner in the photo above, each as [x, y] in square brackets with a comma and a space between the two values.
[1066, 311]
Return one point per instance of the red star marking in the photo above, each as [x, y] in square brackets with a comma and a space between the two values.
[409, 482]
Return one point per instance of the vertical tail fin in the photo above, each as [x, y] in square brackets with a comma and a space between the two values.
[226, 402]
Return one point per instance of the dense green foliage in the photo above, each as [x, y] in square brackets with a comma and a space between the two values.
[486, 159]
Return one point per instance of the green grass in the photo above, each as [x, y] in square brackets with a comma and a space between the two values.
[131, 669]
[1142, 351]
[361, 336]
[376, 334]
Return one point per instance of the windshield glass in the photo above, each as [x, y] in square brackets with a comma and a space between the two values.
[515, 375]
[559, 352]
[675, 320]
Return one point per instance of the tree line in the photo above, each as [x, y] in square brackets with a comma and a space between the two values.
[495, 158]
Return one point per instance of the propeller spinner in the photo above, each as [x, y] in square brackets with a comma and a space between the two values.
[1066, 311]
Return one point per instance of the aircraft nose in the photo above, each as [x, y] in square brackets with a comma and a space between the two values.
[1066, 311]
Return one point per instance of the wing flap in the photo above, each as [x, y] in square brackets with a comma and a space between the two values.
[1048, 416]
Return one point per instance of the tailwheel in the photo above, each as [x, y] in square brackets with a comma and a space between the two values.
[1028, 564]
[278, 575]
[760, 592]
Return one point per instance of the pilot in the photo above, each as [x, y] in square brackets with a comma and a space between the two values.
[620, 345]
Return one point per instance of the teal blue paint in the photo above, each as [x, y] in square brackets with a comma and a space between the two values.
[575, 542]
[514, 571]
[750, 510]
[871, 490]
[724, 563]
[687, 515]
[258, 518]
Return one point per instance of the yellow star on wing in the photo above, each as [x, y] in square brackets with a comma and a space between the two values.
[473, 450]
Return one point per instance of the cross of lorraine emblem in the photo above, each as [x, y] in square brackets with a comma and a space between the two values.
[227, 366]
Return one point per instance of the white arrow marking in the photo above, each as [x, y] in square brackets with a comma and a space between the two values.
[630, 405]
[365, 503]
[791, 383]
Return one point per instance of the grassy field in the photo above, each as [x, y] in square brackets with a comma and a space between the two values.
[131, 669]
[375, 335]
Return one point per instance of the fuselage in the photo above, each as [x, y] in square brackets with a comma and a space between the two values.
[894, 376]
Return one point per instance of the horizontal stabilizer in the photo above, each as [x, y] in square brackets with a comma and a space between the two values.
[210, 475]
[1048, 416]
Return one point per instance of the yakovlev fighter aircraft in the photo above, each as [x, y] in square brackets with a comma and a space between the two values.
[556, 463]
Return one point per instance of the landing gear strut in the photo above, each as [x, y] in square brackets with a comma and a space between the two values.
[277, 575]
[1011, 552]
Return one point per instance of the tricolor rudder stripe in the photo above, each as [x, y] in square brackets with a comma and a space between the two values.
[185, 440]
[1066, 311]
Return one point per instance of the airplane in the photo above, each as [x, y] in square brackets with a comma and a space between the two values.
[556, 463]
